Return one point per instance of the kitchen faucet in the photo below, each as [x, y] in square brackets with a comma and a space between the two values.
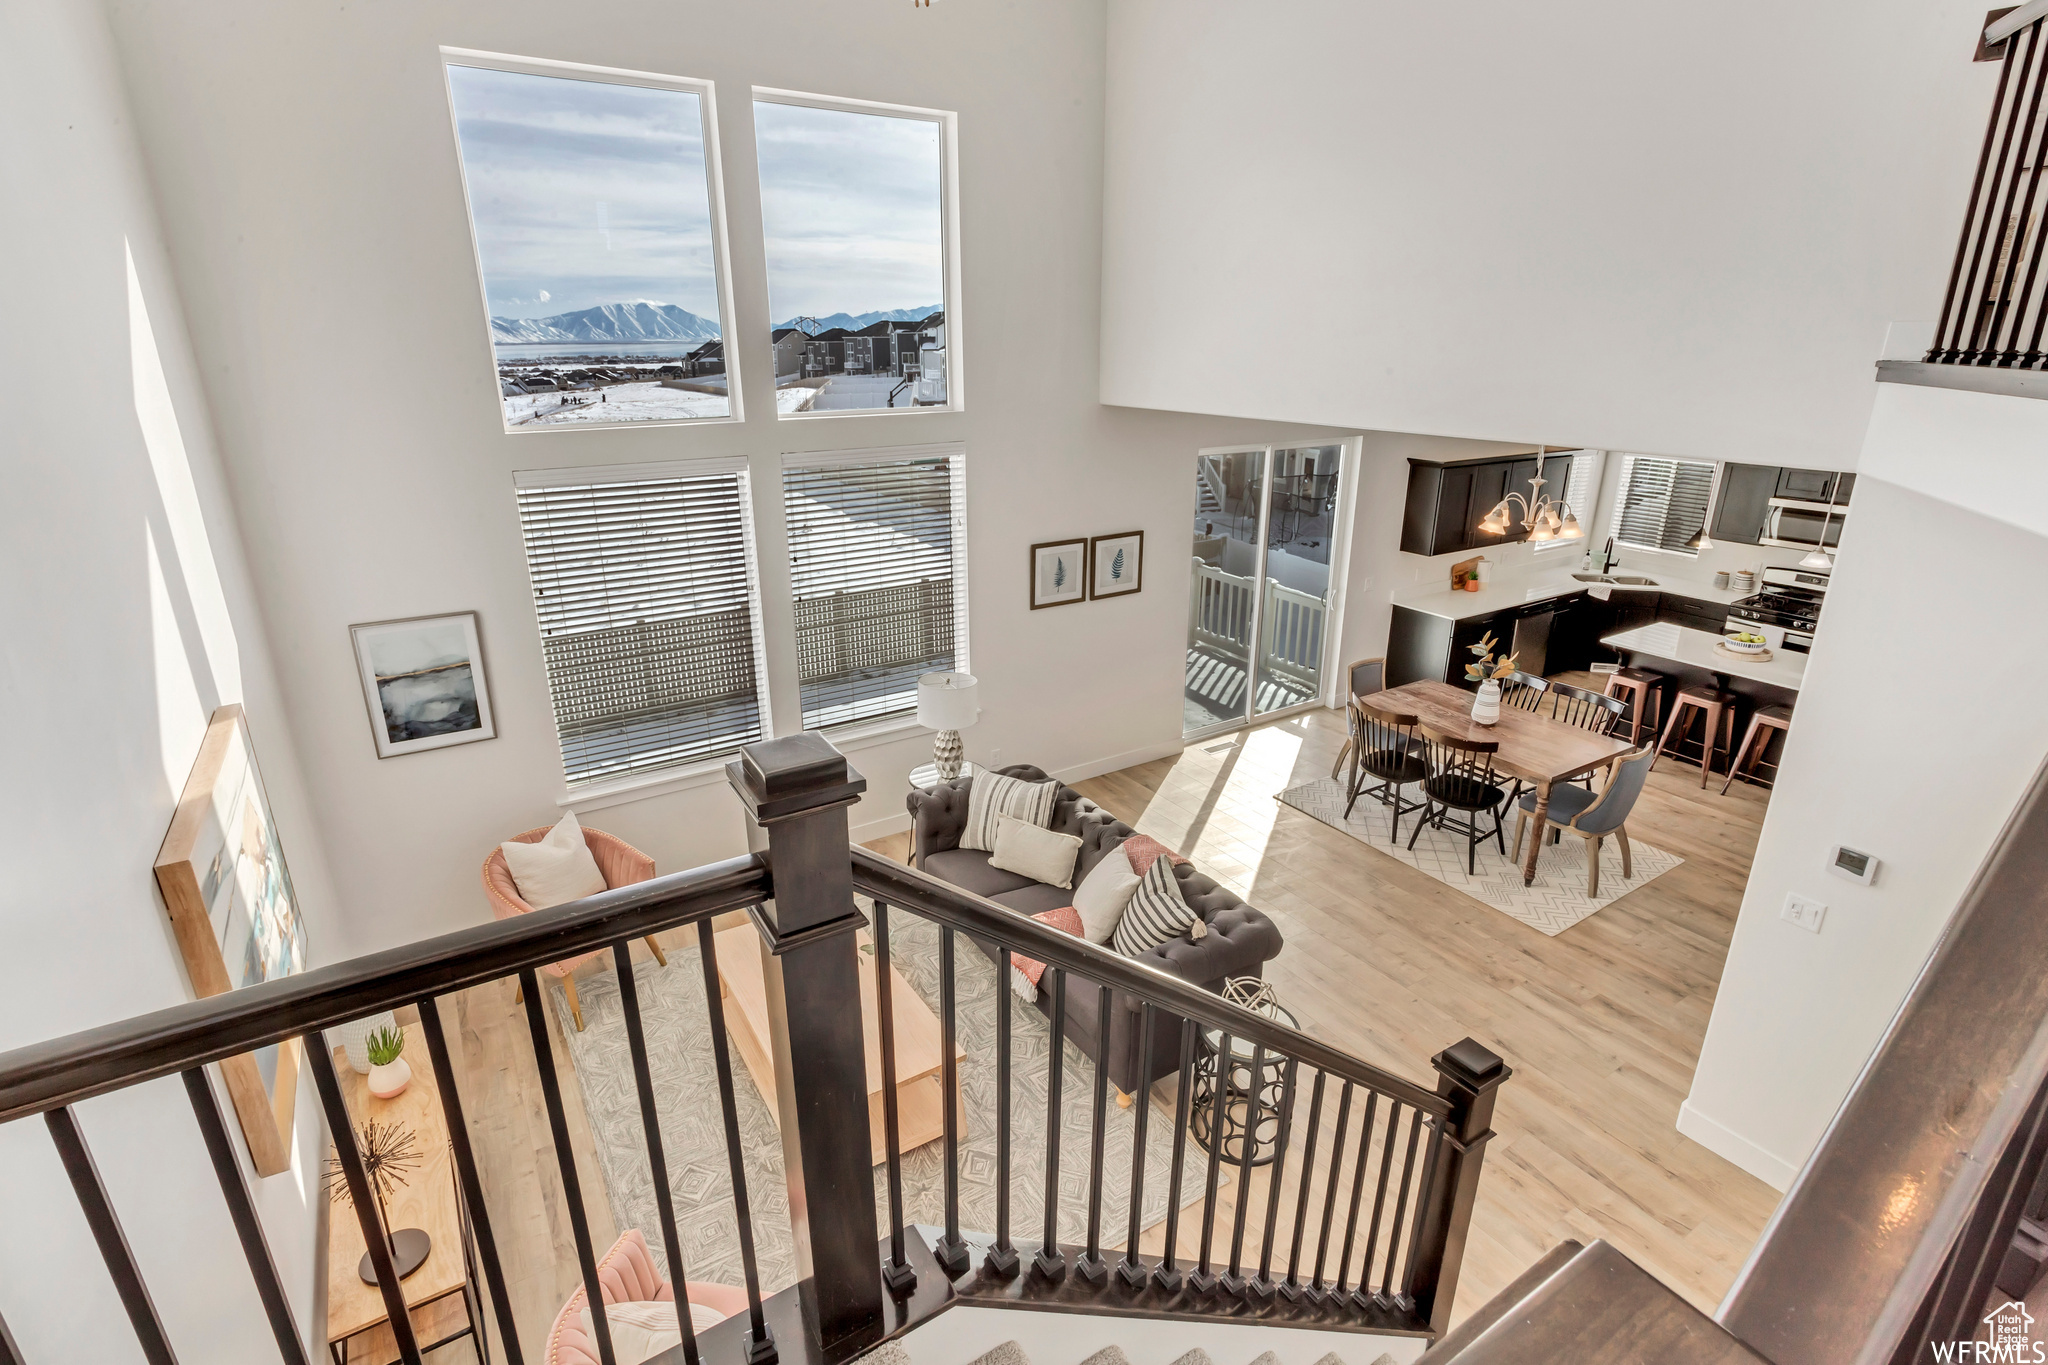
[1607, 557]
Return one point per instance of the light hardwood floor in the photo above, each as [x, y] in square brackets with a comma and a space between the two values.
[1601, 1024]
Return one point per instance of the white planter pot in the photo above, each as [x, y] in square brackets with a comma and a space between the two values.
[1486, 706]
[354, 1038]
[389, 1082]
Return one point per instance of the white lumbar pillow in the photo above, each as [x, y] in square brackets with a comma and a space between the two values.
[556, 870]
[643, 1330]
[1104, 894]
[1041, 854]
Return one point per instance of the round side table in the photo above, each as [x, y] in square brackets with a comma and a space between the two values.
[1251, 1102]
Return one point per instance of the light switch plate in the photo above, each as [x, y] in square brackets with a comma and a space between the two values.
[1803, 911]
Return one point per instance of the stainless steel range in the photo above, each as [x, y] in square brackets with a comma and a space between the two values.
[1790, 600]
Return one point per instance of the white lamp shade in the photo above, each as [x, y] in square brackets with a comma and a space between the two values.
[945, 701]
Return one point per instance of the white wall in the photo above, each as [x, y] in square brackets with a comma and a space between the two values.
[127, 617]
[309, 181]
[1914, 737]
[1670, 229]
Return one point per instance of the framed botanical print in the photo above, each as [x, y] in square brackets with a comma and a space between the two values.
[224, 881]
[1059, 573]
[1116, 564]
[423, 682]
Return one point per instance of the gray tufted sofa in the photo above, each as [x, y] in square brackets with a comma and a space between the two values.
[1239, 942]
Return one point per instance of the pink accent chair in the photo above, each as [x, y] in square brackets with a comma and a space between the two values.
[627, 1275]
[620, 862]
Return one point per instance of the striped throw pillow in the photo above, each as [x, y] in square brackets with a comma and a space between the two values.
[992, 795]
[1156, 913]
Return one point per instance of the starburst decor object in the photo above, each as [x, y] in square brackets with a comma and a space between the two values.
[390, 1152]
[1547, 518]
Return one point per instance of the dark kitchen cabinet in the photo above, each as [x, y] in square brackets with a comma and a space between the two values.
[1806, 485]
[1692, 612]
[1446, 503]
[1845, 484]
[1746, 493]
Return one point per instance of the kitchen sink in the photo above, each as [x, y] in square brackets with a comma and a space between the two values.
[1622, 580]
[1592, 578]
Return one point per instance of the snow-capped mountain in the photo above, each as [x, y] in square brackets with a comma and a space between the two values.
[641, 320]
[853, 322]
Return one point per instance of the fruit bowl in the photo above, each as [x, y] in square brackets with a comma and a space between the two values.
[1745, 643]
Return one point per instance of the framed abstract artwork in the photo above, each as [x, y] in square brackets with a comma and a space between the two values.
[423, 682]
[1116, 564]
[236, 919]
[1059, 573]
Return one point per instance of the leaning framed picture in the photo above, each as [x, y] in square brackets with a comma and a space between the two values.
[1059, 573]
[224, 881]
[423, 682]
[1116, 564]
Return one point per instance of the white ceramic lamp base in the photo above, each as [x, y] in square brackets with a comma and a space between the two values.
[947, 754]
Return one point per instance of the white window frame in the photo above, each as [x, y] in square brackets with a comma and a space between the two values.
[599, 792]
[1621, 491]
[714, 189]
[949, 241]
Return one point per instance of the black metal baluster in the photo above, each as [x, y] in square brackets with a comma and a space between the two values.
[1166, 1274]
[2008, 267]
[1002, 1257]
[650, 1127]
[1400, 1208]
[1090, 1267]
[897, 1274]
[951, 1252]
[1051, 1262]
[1436, 1145]
[376, 1237]
[1262, 1284]
[565, 1161]
[467, 1175]
[1372, 1100]
[1363, 1294]
[761, 1342]
[242, 1211]
[1203, 1281]
[1316, 1286]
[113, 1243]
[1973, 313]
[1131, 1269]
[1233, 1280]
[1953, 298]
[1291, 1286]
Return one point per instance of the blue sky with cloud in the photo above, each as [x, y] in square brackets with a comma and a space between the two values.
[585, 192]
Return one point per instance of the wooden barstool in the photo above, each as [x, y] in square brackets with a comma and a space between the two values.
[1718, 708]
[1645, 695]
[1750, 752]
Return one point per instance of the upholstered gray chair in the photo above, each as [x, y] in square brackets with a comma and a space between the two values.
[1362, 679]
[1593, 816]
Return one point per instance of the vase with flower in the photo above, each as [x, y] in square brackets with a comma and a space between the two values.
[1487, 671]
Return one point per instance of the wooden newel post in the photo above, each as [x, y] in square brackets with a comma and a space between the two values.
[796, 791]
[1468, 1075]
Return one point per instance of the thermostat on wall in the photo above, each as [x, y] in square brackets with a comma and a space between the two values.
[1857, 867]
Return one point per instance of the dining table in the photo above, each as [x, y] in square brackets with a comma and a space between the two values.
[1533, 747]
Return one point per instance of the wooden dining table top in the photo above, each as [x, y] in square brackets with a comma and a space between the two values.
[1533, 747]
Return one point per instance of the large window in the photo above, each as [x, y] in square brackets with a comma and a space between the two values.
[877, 562]
[853, 205]
[592, 197]
[1661, 503]
[643, 582]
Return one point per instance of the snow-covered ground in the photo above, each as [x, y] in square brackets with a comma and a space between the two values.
[648, 402]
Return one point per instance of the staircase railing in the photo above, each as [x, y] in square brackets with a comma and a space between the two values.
[1418, 1149]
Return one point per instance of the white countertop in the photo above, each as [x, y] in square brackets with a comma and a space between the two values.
[1437, 600]
[1682, 644]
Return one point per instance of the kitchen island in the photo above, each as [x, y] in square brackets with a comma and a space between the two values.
[1693, 658]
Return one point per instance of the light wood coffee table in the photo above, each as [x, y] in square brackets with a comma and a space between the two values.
[920, 1106]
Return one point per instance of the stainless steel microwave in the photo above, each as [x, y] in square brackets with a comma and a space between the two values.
[1796, 525]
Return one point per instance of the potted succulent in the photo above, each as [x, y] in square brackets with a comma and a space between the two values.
[390, 1073]
[1487, 672]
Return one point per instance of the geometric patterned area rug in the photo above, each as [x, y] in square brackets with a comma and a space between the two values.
[693, 1126]
[1551, 904]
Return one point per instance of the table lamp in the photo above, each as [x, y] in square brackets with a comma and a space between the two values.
[945, 702]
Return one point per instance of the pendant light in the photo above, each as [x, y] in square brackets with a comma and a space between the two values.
[1700, 540]
[1818, 559]
[1547, 518]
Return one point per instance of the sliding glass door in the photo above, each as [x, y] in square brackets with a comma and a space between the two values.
[1261, 597]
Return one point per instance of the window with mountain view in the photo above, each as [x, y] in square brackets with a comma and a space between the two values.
[853, 209]
[591, 202]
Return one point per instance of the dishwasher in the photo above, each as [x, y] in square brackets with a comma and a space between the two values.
[1532, 640]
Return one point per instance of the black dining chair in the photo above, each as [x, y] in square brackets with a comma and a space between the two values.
[1460, 778]
[1387, 748]
[1588, 710]
[1523, 691]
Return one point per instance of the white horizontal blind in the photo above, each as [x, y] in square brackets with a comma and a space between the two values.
[876, 553]
[1661, 502]
[1573, 479]
[647, 617]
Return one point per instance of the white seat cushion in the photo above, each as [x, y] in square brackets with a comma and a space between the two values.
[556, 870]
[644, 1329]
[1029, 851]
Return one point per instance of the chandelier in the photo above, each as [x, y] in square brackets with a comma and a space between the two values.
[1546, 517]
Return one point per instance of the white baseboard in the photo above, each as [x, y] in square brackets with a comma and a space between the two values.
[880, 829]
[1130, 758]
[1720, 1139]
